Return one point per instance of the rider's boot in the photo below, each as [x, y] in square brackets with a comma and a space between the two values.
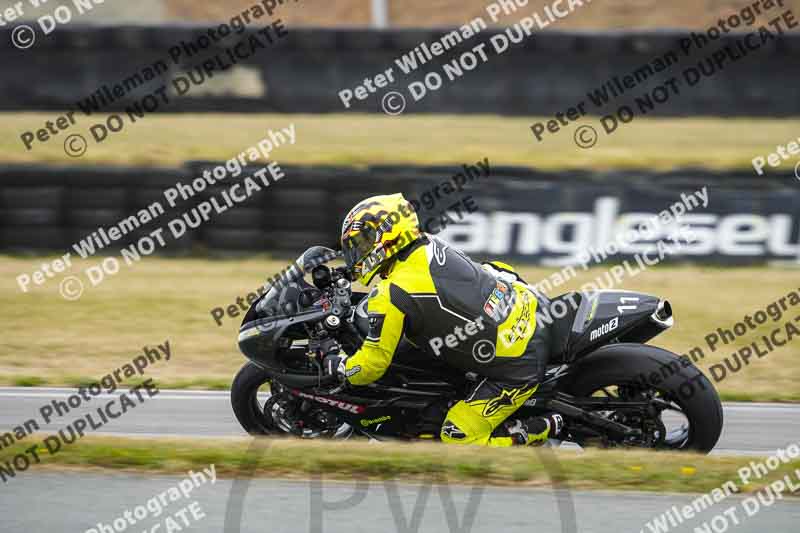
[536, 430]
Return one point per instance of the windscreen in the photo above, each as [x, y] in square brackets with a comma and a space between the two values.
[291, 275]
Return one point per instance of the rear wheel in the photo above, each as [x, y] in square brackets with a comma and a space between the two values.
[686, 412]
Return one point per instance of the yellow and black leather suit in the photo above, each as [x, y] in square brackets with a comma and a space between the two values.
[476, 318]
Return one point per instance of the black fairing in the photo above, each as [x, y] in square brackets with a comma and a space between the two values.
[602, 317]
[262, 339]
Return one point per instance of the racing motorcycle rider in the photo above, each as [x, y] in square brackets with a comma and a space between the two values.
[477, 318]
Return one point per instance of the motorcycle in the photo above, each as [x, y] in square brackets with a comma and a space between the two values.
[612, 389]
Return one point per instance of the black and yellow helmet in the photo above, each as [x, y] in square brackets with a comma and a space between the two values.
[375, 230]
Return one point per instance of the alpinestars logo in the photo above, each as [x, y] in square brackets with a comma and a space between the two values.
[506, 398]
[452, 431]
[438, 252]
[608, 327]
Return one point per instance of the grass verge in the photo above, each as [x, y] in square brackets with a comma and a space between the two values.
[364, 139]
[529, 467]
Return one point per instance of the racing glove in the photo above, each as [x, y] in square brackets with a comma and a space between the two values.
[334, 364]
[333, 361]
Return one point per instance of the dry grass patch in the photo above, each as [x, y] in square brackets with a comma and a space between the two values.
[360, 139]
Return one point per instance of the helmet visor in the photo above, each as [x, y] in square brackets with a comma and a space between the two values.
[357, 246]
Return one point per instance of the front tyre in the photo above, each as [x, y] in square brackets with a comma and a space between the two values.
[244, 400]
[636, 372]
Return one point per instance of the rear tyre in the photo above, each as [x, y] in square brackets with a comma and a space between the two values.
[244, 400]
[647, 368]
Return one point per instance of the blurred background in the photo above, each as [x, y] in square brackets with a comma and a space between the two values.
[135, 131]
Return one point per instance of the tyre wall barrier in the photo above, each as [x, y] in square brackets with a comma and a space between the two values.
[515, 212]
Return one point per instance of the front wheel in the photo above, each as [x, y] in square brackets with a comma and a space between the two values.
[244, 400]
[690, 413]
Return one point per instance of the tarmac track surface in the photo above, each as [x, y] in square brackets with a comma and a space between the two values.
[78, 502]
[750, 428]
